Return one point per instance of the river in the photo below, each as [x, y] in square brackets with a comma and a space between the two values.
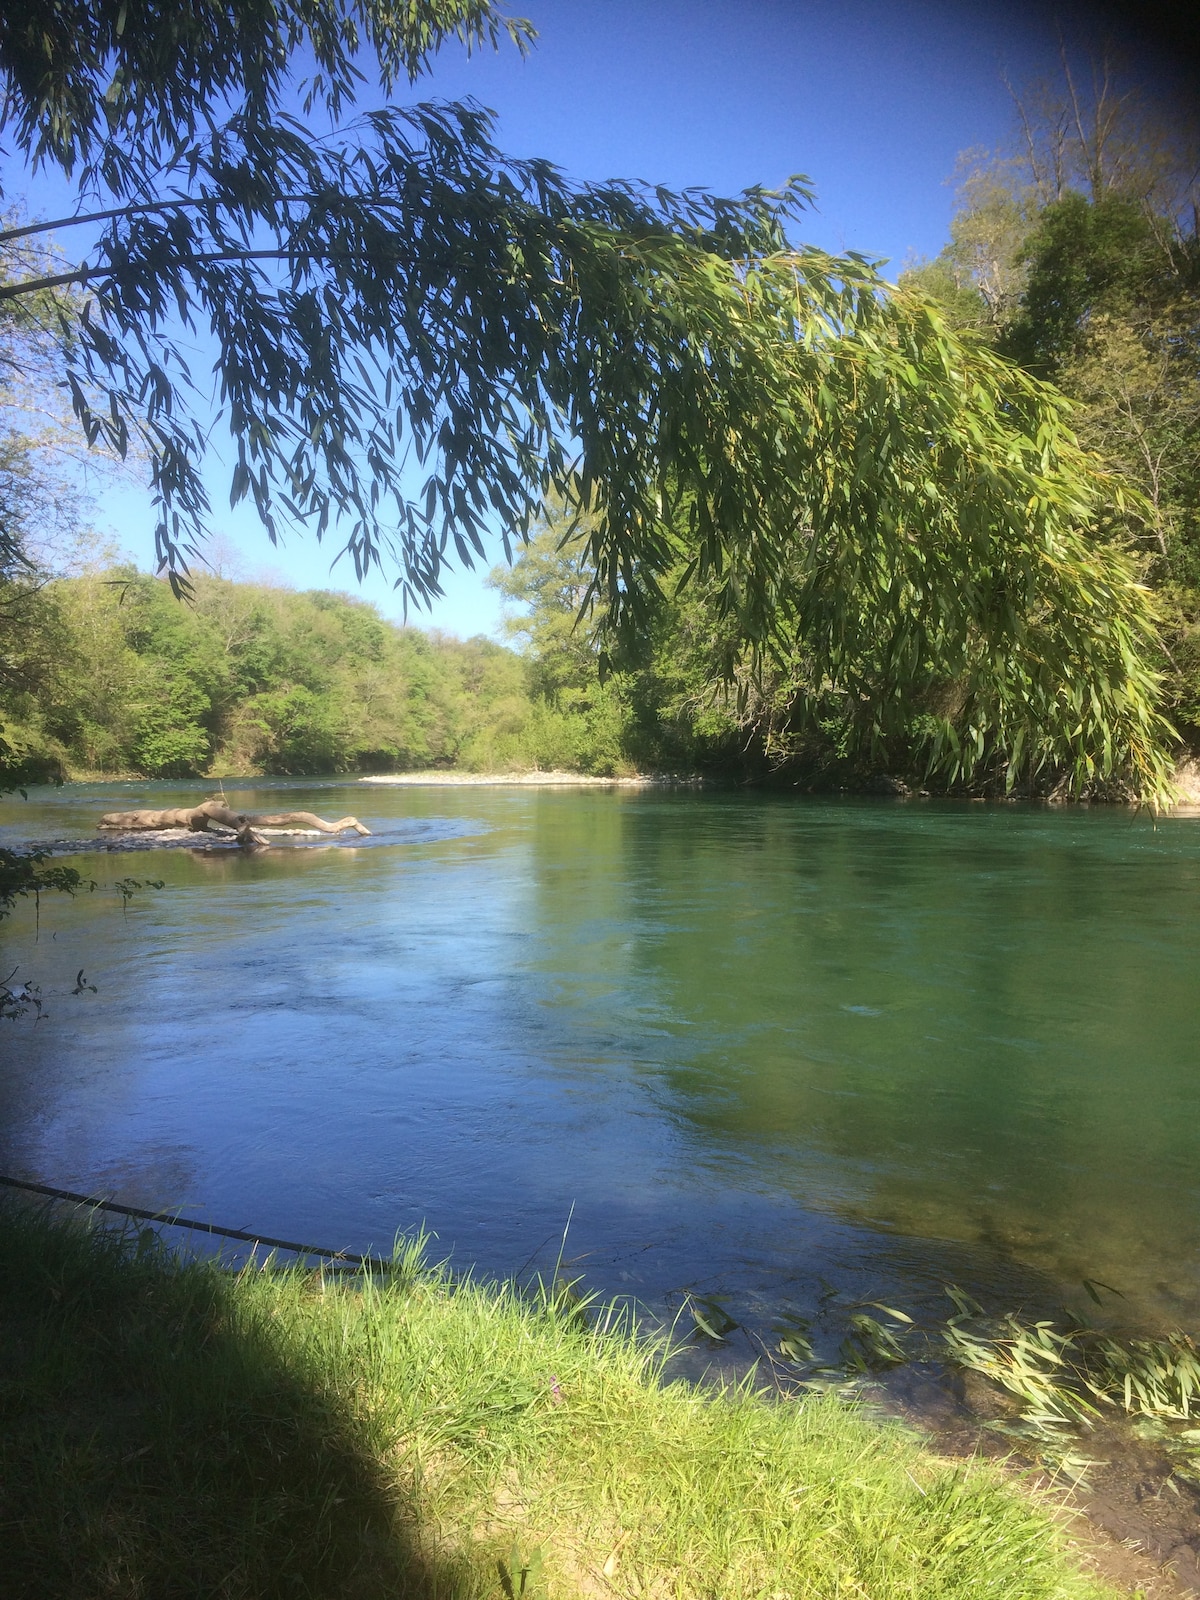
[789, 1051]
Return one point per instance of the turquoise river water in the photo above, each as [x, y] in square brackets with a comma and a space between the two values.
[795, 1052]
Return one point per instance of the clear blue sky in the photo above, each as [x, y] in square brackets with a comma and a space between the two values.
[871, 99]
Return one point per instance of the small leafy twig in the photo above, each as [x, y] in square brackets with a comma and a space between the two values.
[128, 887]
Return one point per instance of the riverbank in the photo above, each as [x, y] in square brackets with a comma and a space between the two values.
[1185, 780]
[537, 780]
[172, 1428]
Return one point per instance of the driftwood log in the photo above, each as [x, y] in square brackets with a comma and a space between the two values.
[198, 818]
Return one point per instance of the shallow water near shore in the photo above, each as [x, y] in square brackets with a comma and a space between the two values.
[793, 1052]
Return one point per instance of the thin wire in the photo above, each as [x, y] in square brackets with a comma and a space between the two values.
[174, 1221]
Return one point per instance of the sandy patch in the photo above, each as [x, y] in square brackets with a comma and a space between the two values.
[546, 780]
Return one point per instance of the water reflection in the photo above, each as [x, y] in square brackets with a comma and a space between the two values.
[980, 1022]
[762, 1044]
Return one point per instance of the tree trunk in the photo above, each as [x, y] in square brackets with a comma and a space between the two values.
[197, 819]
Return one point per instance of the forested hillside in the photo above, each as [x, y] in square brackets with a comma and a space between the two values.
[109, 673]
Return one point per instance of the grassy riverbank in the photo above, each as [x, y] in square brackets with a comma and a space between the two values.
[172, 1429]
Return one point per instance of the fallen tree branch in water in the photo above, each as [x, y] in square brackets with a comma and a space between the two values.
[197, 819]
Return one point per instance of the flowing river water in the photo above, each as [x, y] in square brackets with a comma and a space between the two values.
[785, 1053]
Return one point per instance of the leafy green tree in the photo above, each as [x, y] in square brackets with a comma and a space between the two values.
[107, 80]
[690, 695]
[978, 277]
[1103, 274]
[1082, 256]
[1140, 406]
[40, 506]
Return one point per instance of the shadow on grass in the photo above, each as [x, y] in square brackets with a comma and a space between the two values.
[155, 1443]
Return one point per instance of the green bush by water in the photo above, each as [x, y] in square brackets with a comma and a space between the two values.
[173, 1428]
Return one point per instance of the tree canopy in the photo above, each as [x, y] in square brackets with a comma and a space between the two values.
[1074, 252]
[113, 80]
[418, 340]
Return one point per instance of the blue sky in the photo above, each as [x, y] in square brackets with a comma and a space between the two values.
[871, 99]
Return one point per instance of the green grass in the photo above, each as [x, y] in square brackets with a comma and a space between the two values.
[176, 1429]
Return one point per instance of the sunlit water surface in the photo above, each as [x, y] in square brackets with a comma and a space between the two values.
[793, 1051]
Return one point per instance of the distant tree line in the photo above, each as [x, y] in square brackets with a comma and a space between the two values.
[111, 674]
